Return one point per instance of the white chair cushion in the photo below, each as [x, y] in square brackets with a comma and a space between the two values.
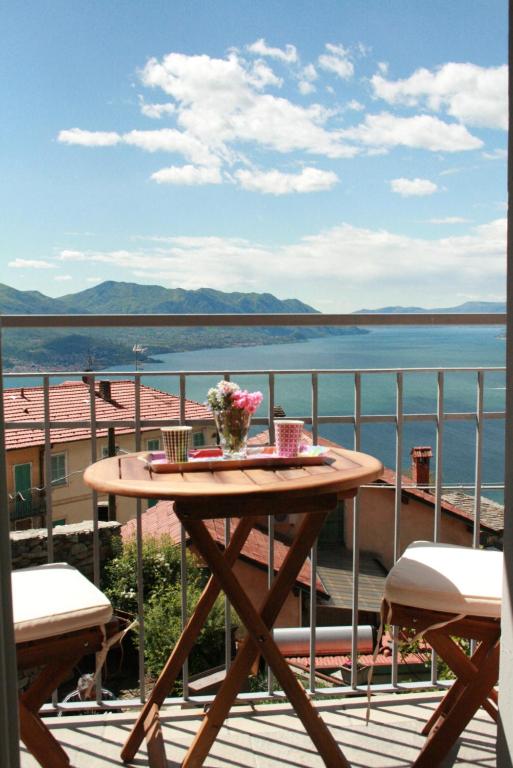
[446, 577]
[55, 599]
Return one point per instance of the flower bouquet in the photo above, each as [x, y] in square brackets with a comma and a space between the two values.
[232, 408]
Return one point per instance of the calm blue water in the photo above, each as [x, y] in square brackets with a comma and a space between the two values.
[381, 348]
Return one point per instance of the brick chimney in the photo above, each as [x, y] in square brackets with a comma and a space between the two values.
[420, 456]
[104, 390]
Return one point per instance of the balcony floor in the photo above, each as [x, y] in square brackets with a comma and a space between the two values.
[271, 735]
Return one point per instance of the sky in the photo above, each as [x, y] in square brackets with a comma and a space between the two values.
[348, 153]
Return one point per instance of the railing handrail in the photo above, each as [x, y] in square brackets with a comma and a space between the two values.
[307, 319]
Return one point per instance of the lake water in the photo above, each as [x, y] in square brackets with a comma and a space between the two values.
[381, 348]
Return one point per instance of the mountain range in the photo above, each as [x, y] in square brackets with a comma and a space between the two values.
[37, 348]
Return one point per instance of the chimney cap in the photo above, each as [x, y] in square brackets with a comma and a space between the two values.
[421, 452]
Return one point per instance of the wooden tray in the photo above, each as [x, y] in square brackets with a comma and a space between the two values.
[257, 457]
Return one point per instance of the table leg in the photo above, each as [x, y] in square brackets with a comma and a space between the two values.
[260, 640]
[145, 724]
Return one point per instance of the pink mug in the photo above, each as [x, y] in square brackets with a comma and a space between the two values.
[288, 436]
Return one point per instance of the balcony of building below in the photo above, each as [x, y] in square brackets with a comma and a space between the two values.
[271, 735]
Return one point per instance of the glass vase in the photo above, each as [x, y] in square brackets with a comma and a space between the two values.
[233, 428]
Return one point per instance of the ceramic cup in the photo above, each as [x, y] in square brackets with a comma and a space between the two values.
[177, 441]
[288, 435]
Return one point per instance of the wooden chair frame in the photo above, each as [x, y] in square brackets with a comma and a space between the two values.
[476, 676]
[57, 656]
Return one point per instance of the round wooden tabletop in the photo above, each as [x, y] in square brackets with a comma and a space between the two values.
[129, 475]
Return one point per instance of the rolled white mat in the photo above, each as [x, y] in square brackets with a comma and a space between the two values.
[295, 641]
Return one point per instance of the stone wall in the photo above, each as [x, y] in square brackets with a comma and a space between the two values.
[72, 544]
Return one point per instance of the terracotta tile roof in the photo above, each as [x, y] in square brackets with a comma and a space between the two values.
[161, 520]
[458, 504]
[69, 401]
[492, 513]
[364, 660]
[383, 658]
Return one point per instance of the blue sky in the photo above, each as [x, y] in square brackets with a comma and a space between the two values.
[350, 154]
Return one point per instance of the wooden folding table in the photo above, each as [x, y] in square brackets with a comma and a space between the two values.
[245, 494]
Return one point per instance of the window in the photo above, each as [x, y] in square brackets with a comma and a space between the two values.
[198, 439]
[154, 445]
[58, 469]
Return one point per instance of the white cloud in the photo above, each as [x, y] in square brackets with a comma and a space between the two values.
[94, 279]
[260, 47]
[89, 138]
[496, 154]
[30, 264]
[420, 132]
[473, 95]
[309, 73]
[157, 111]
[69, 255]
[276, 183]
[305, 87]
[63, 278]
[189, 175]
[337, 60]
[352, 257]
[355, 105]
[413, 187]
[220, 102]
[449, 220]
[171, 140]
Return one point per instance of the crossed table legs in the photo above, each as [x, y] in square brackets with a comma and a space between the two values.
[258, 641]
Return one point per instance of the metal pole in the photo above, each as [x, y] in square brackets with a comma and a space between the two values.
[505, 724]
[9, 731]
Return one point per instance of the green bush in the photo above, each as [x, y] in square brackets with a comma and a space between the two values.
[160, 566]
[162, 595]
[162, 624]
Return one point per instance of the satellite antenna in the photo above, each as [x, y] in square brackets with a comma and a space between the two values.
[138, 350]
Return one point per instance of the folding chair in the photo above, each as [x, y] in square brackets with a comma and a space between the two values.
[442, 592]
[59, 617]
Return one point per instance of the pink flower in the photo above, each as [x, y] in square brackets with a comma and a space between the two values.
[247, 401]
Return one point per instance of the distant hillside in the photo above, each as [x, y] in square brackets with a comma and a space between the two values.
[37, 349]
[467, 307]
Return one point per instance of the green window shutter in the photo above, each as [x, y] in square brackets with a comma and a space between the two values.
[154, 445]
[58, 468]
[198, 439]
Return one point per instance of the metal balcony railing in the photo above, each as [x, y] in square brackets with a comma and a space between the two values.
[315, 419]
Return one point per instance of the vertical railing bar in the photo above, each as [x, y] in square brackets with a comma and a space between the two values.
[479, 459]
[398, 499]
[94, 454]
[270, 579]
[356, 536]
[227, 607]
[313, 616]
[140, 544]
[439, 457]
[438, 487]
[315, 408]
[476, 537]
[183, 554]
[313, 552]
[270, 389]
[48, 468]
[9, 727]
[182, 398]
[96, 538]
[183, 579]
